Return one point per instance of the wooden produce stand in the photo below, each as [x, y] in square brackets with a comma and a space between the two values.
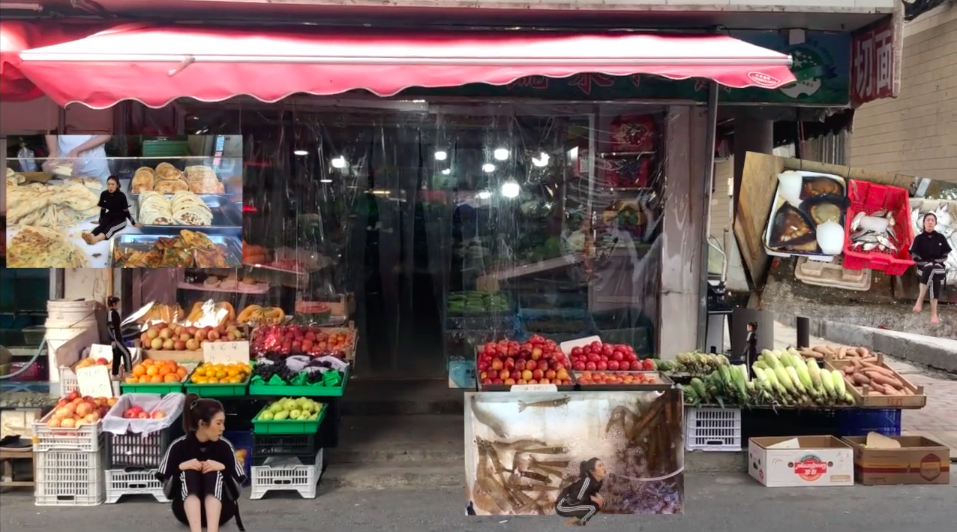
[9, 455]
[910, 397]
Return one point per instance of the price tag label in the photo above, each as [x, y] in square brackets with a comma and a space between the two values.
[101, 351]
[225, 352]
[533, 388]
[94, 381]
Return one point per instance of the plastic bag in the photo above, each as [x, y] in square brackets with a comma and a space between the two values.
[27, 160]
[171, 405]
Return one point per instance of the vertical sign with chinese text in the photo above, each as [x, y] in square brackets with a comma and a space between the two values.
[875, 60]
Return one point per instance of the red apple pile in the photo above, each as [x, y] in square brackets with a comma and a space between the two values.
[300, 339]
[136, 412]
[608, 357]
[537, 361]
[73, 411]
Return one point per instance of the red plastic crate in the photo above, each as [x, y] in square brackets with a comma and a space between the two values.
[869, 197]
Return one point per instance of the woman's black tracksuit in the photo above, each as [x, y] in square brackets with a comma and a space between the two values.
[929, 251]
[224, 485]
[114, 212]
[121, 354]
[575, 500]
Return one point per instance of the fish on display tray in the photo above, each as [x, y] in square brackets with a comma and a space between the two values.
[874, 231]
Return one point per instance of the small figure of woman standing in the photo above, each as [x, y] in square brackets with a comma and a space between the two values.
[580, 500]
[929, 250]
[121, 355]
[114, 212]
[200, 472]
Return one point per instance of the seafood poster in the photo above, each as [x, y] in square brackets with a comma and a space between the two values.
[574, 455]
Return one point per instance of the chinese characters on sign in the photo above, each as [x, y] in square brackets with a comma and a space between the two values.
[874, 63]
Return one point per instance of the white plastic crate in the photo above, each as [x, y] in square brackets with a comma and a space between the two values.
[84, 439]
[286, 475]
[120, 483]
[68, 382]
[69, 478]
[712, 429]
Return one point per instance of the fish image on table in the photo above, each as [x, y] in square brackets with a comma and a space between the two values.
[635, 436]
[522, 405]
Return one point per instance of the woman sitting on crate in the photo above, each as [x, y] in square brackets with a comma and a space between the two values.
[200, 473]
[929, 250]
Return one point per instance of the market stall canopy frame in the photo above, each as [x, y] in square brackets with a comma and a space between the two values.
[158, 64]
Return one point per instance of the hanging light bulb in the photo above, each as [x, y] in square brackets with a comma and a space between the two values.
[484, 195]
[488, 168]
[447, 171]
[339, 162]
[500, 154]
[510, 189]
[441, 155]
[541, 160]
[300, 153]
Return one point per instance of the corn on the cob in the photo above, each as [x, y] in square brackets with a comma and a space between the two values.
[828, 381]
[839, 387]
[793, 375]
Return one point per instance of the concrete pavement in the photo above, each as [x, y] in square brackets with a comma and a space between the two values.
[722, 503]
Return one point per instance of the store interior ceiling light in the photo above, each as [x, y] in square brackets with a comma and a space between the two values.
[484, 195]
[441, 155]
[541, 160]
[510, 189]
[300, 153]
[325, 181]
[488, 168]
[447, 171]
[500, 154]
[339, 162]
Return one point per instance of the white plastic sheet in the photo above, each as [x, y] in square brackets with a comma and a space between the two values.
[170, 404]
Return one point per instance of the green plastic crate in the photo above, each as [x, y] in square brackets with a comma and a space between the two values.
[162, 388]
[289, 390]
[288, 426]
[165, 148]
[216, 390]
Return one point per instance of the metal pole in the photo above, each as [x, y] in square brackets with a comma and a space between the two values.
[706, 226]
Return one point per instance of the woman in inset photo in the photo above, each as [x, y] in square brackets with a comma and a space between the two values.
[930, 250]
[114, 213]
[580, 500]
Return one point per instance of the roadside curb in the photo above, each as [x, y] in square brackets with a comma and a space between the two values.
[908, 348]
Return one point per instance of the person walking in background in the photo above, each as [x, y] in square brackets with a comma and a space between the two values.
[85, 152]
[120, 352]
[200, 472]
[929, 250]
[580, 500]
[114, 213]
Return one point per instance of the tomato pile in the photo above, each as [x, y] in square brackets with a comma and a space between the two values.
[608, 357]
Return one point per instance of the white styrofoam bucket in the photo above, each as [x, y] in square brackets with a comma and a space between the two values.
[66, 320]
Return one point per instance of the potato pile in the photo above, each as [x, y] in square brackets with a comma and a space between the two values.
[880, 380]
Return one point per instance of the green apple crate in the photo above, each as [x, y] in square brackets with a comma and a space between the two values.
[287, 426]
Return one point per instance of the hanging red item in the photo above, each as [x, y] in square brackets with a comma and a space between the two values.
[156, 65]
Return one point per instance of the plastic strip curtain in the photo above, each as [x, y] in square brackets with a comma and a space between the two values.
[455, 225]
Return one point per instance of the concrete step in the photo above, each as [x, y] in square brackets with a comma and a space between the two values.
[401, 398]
[422, 438]
[381, 475]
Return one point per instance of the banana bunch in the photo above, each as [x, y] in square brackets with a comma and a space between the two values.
[781, 378]
[696, 363]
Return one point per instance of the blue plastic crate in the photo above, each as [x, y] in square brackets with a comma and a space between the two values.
[242, 439]
[861, 421]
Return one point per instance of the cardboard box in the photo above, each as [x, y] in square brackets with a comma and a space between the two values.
[918, 460]
[801, 461]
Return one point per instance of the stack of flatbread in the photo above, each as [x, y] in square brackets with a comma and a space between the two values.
[42, 247]
[91, 183]
[142, 180]
[203, 180]
[14, 178]
[54, 206]
[167, 179]
[184, 208]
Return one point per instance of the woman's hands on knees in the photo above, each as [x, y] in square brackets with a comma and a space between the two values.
[211, 466]
[191, 465]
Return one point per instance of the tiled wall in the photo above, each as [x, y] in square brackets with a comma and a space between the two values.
[916, 133]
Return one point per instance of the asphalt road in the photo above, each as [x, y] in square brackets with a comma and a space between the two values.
[725, 503]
